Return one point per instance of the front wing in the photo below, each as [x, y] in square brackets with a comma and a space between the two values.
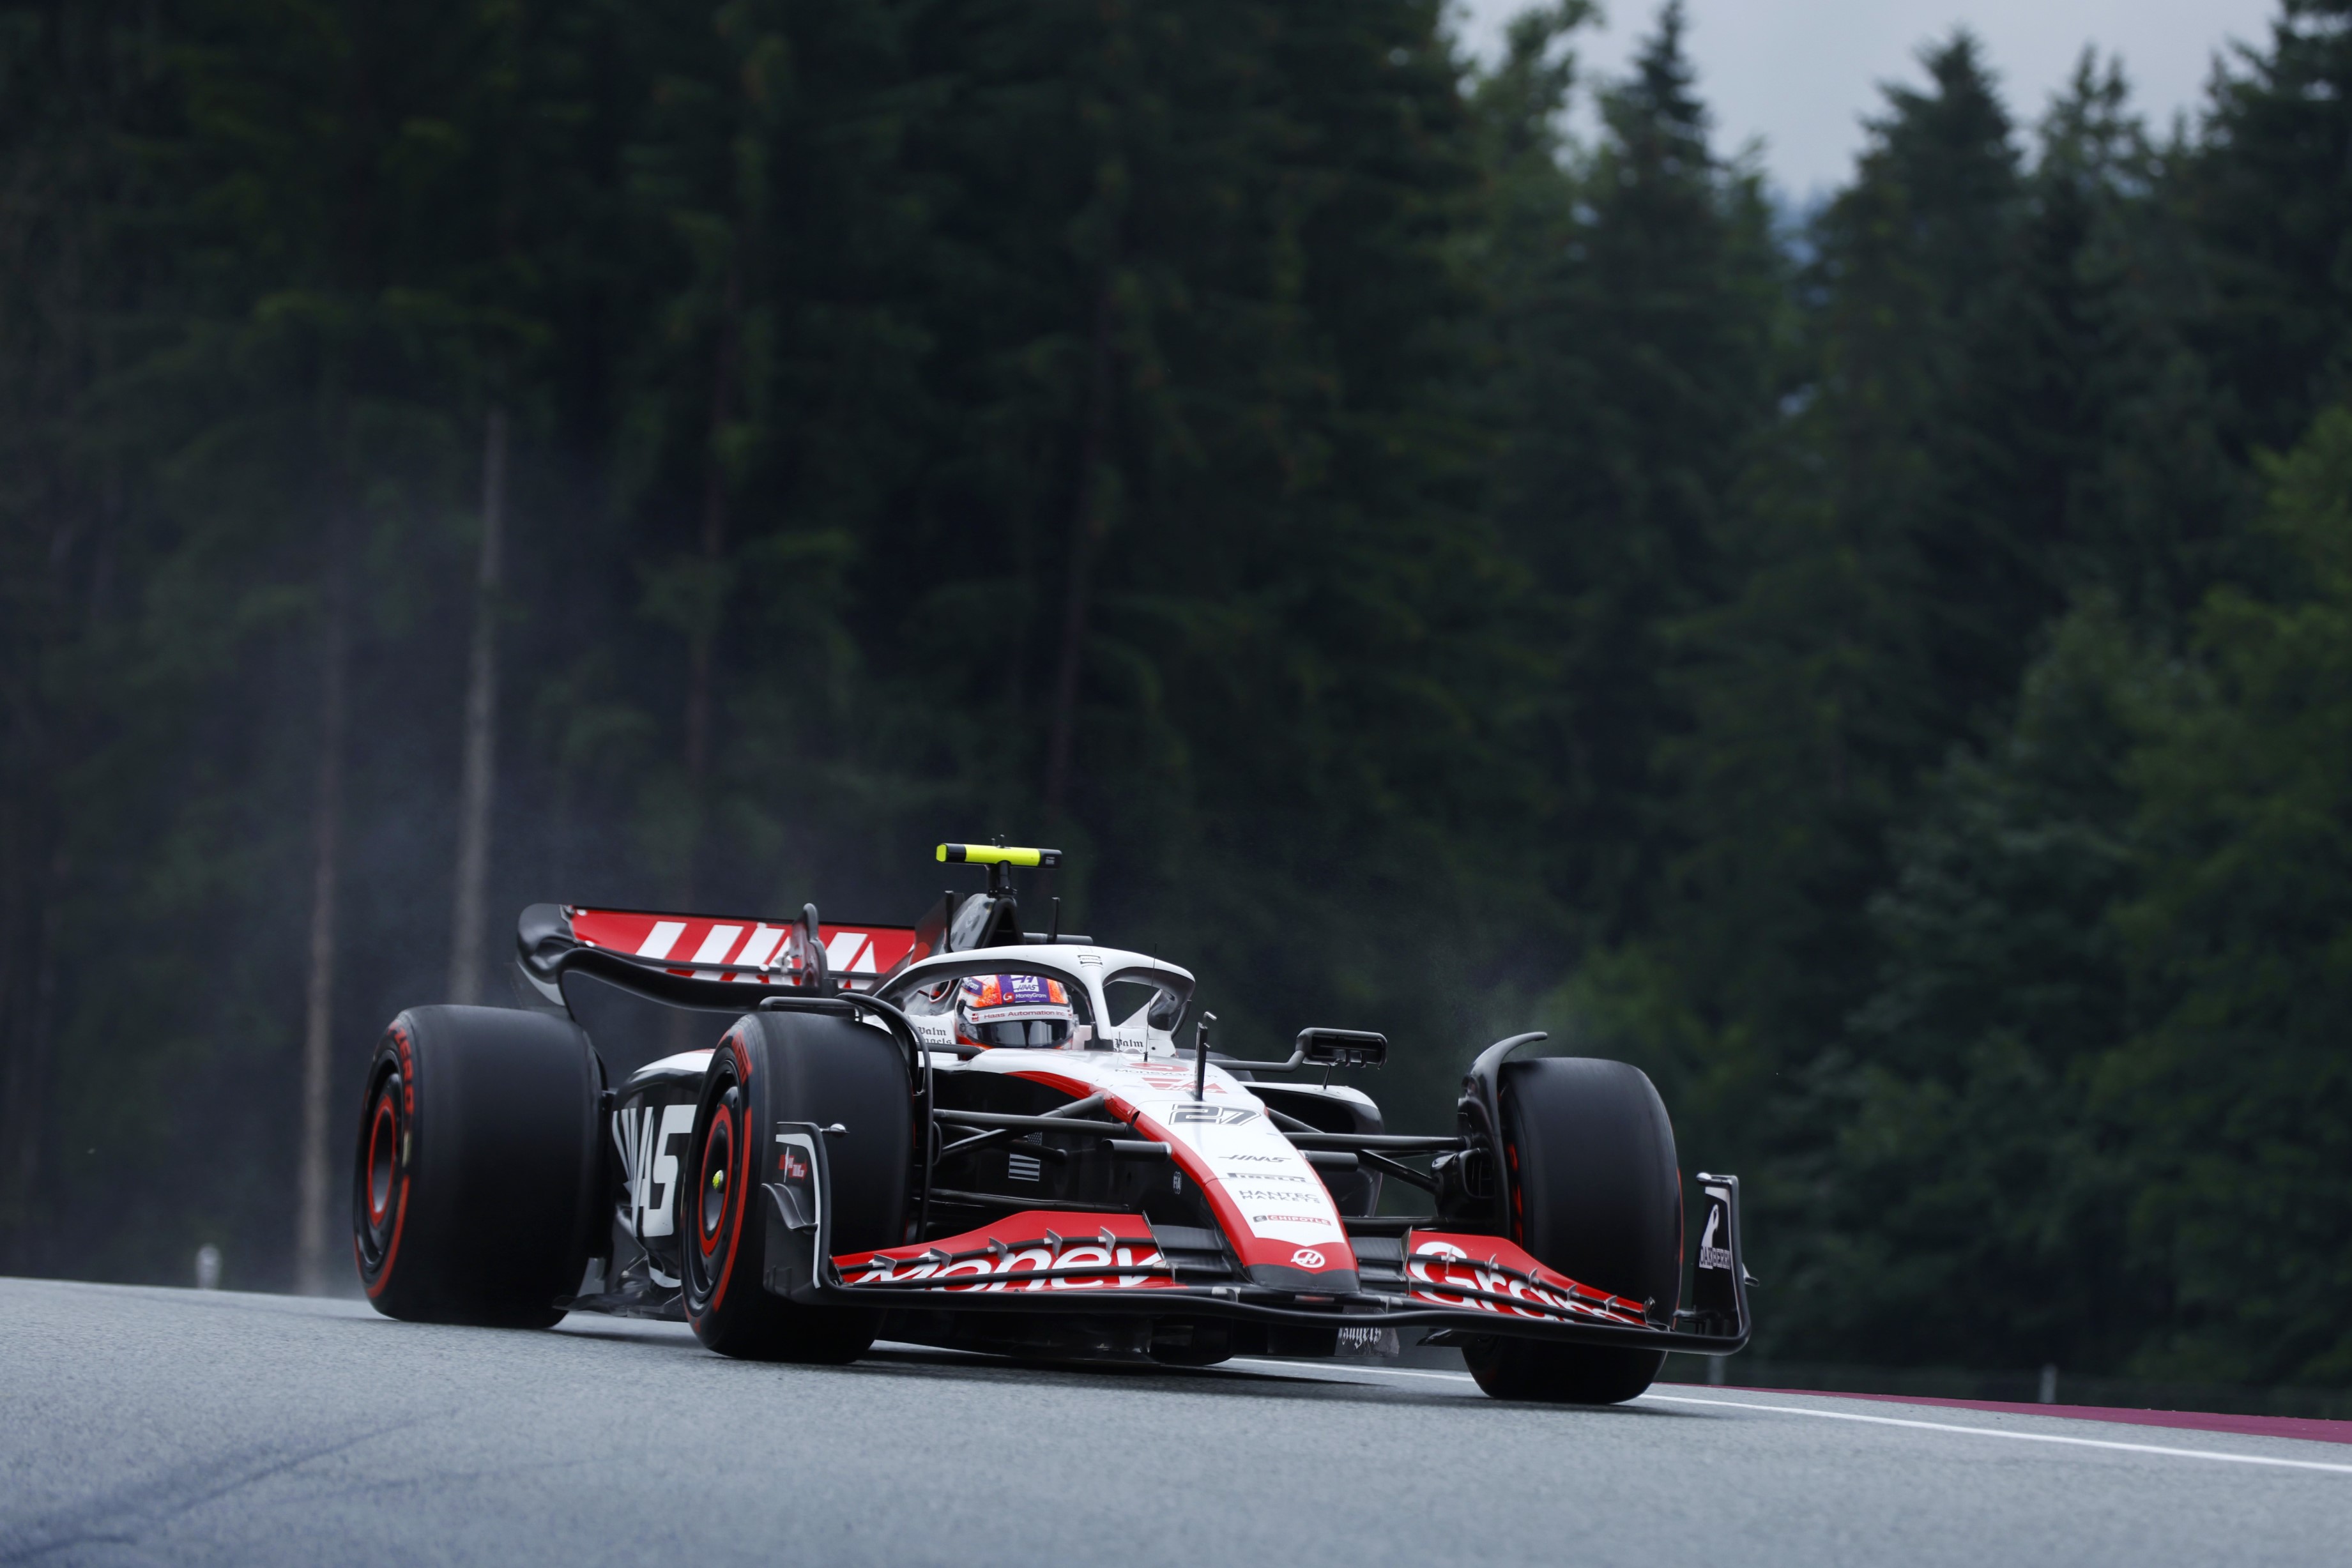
[1058, 1260]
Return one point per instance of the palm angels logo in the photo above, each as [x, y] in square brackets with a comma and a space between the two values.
[1710, 1256]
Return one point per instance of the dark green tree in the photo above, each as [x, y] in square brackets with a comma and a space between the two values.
[2267, 190]
[1640, 305]
[1810, 680]
[2236, 1087]
[80, 86]
[1973, 1194]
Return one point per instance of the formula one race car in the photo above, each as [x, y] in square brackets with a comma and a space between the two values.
[962, 1134]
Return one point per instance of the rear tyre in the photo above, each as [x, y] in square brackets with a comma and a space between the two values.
[477, 1158]
[1596, 1194]
[789, 1067]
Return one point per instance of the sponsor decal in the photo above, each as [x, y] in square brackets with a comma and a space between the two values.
[1442, 1274]
[1710, 1256]
[1161, 1075]
[1307, 1258]
[992, 992]
[1001, 1271]
[760, 954]
[796, 1158]
[407, 1082]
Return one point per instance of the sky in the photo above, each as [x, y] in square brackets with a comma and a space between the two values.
[1801, 74]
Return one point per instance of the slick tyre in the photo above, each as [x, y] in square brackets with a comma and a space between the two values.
[475, 1167]
[1595, 1193]
[771, 1068]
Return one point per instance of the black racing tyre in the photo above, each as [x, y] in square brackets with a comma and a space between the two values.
[1595, 1193]
[477, 1160]
[775, 1067]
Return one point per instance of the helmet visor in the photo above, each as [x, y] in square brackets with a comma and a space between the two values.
[1036, 1034]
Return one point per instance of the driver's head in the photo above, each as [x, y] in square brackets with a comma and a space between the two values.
[1014, 1010]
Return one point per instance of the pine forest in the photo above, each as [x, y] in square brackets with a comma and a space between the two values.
[1441, 545]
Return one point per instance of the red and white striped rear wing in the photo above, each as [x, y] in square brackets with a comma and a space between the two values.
[703, 960]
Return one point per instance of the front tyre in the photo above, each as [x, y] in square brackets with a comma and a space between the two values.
[775, 1067]
[473, 1197]
[1589, 1154]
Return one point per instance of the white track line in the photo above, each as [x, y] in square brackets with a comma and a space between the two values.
[2226, 1459]
[2215, 1454]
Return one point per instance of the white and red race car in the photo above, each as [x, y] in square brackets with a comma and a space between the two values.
[962, 1134]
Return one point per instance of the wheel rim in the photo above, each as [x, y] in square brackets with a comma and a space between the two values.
[710, 1188]
[384, 1140]
[376, 1194]
[713, 1207]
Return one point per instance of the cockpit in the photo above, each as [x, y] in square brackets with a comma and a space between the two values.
[1136, 1008]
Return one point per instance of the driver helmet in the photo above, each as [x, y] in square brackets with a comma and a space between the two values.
[1015, 1010]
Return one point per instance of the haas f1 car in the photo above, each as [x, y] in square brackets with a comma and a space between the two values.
[963, 1133]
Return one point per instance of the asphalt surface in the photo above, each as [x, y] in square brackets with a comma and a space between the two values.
[153, 1425]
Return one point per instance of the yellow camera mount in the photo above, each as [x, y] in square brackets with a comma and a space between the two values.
[997, 854]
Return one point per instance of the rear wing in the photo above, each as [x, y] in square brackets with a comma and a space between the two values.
[706, 960]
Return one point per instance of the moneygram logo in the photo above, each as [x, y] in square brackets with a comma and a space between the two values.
[1134, 1266]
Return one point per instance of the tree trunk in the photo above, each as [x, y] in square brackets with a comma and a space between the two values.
[310, 1232]
[1087, 529]
[701, 641]
[28, 857]
[478, 787]
[20, 1100]
[29, 987]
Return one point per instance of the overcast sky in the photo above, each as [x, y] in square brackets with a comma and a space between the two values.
[1800, 74]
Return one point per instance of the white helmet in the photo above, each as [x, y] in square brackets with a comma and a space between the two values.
[1028, 1010]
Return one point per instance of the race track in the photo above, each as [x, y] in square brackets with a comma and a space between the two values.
[169, 1426]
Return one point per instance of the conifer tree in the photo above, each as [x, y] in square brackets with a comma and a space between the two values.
[1810, 681]
[1971, 1194]
[1643, 355]
[2266, 189]
[80, 84]
[2235, 1086]
[2001, 987]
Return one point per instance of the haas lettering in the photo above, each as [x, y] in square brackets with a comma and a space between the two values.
[650, 1164]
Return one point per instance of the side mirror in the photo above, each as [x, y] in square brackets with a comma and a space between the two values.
[1342, 1047]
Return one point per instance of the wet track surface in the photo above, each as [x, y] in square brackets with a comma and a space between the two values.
[151, 1425]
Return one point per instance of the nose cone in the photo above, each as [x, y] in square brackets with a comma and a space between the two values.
[1324, 1269]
